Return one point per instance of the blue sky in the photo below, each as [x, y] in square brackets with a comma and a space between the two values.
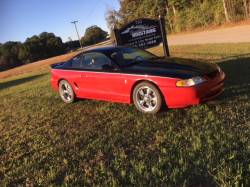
[20, 19]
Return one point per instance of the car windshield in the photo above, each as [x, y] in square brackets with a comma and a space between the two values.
[128, 56]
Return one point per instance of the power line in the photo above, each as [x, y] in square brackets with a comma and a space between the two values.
[74, 22]
[90, 13]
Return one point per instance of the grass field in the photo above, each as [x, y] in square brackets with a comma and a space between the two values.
[46, 142]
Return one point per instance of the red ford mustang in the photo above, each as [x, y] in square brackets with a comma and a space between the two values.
[130, 75]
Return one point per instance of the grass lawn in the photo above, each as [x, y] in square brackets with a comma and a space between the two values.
[46, 142]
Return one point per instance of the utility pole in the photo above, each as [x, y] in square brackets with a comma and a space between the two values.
[74, 22]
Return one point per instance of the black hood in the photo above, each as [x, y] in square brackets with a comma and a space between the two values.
[173, 67]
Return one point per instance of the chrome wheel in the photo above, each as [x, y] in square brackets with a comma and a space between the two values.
[147, 98]
[66, 92]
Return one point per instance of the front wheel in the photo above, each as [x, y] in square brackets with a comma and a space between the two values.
[66, 92]
[147, 98]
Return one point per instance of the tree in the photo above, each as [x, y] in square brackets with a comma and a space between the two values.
[131, 9]
[111, 17]
[34, 48]
[93, 35]
[9, 55]
[180, 14]
[245, 2]
[42, 46]
[225, 11]
[71, 44]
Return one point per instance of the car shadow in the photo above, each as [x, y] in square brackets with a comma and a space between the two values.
[237, 81]
[11, 83]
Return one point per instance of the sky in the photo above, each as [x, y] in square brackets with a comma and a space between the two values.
[20, 19]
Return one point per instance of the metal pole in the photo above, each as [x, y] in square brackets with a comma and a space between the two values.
[74, 22]
[164, 37]
[117, 36]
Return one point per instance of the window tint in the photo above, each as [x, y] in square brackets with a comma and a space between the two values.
[76, 61]
[128, 56]
[95, 61]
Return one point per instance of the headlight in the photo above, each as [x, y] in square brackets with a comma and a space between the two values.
[190, 82]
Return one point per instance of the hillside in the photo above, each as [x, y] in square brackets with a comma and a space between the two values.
[40, 65]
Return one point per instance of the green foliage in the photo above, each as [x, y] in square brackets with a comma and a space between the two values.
[42, 46]
[180, 4]
[202, 15]
[44, 142]
[180, 14]
[130, 10]
[35, 48]
[93, 35]
[9, 55]
[72, 45]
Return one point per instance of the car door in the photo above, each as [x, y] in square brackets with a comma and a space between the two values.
[101, 79]
[72, 72]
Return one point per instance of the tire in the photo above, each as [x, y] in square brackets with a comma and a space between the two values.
[147, 98]
[66, 92]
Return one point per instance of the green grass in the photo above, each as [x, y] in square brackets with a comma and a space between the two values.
[46, 142]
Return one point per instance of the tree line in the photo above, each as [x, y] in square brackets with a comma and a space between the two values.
[37, 47]
[43, 46]
[93, 35]
[180, 15]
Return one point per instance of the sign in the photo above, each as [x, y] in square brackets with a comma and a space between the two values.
[142, 33]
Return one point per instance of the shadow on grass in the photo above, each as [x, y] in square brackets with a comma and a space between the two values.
[237, 81]
[16, 82]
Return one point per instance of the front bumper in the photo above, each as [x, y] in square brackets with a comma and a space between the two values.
[179, 97]
[54, 83]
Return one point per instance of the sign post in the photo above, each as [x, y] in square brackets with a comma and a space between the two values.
[164, 37]
[117, 36]
[143, 33]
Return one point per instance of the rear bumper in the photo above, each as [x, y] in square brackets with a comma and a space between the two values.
[178, 97]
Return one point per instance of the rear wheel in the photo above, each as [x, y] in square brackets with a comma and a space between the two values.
[147, 98]
[66, 92]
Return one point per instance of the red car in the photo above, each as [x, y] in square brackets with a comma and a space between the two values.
[131, 75]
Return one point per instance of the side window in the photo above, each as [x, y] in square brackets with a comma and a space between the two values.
[95, 61]
[76, 61]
